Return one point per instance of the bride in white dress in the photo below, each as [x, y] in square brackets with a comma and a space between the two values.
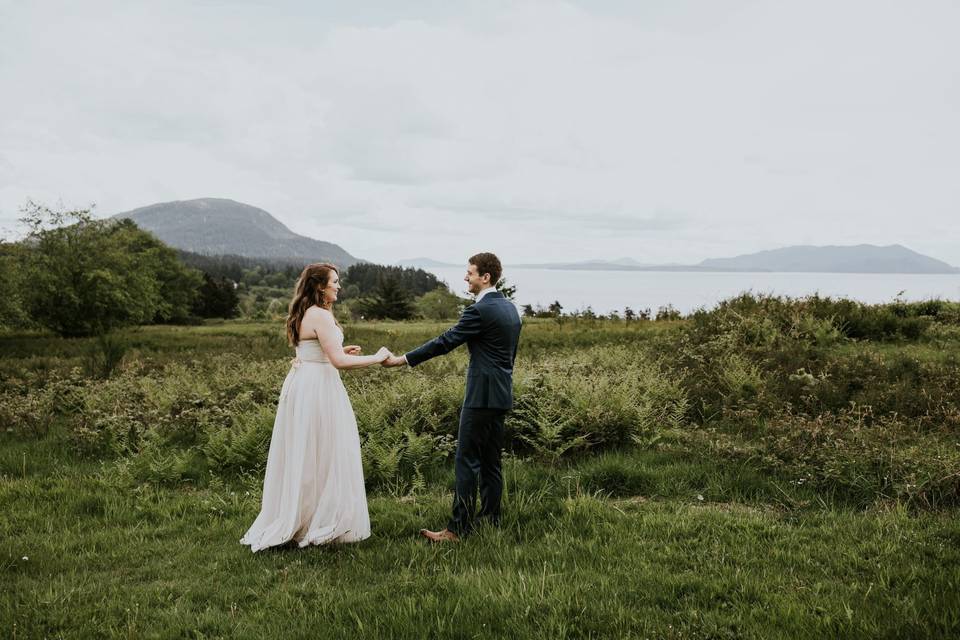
[313, 489]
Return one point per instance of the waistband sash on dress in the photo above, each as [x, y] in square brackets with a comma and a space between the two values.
[309, 352]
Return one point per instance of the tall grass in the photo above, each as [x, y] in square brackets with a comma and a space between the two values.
[770, 468]
[782, 384]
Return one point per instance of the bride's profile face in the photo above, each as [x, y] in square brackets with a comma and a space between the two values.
[332, 289]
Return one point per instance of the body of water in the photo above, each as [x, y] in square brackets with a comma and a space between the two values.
[606, 291]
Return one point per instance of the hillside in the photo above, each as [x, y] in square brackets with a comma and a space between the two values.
[217, 226]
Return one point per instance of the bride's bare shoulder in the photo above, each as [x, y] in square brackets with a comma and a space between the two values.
[318, 316]
[317, 312]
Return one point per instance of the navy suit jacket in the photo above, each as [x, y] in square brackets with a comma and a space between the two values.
[491, 329]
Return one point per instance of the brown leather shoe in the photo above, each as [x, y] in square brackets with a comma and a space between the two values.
[440, 536]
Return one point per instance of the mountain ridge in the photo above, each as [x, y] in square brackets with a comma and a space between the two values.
[220, 226]
[861, 258]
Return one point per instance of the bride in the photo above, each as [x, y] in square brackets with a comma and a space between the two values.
[313, 487]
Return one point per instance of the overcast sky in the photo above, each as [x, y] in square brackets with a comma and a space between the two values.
[545, 131]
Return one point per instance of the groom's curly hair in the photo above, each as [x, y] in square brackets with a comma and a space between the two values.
[307, 293]
[487, 263]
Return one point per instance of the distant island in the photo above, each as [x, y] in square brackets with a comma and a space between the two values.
[861, 258]
[219, 227]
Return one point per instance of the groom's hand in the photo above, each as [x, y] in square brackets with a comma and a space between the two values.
[394, 361]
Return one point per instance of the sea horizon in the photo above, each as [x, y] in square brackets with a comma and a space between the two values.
[605, 291]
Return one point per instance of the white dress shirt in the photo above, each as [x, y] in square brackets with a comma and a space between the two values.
[483, 293]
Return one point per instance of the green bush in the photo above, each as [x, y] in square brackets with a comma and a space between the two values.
[593, 399]
[768, 355]
[853, 454]
[774, 384]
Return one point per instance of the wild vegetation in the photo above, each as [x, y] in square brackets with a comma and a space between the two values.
[767, 468]
[78, 275]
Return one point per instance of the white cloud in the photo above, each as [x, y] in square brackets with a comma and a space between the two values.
[542, 130]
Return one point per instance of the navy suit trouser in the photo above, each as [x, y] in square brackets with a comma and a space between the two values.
[477, 464]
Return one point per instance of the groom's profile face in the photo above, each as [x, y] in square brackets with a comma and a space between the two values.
[475, 282]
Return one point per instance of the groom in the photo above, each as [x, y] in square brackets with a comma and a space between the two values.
[491, 329]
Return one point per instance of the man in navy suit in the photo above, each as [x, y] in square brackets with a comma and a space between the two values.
[491, 329]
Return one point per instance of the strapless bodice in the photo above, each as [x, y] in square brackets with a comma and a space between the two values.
[311, 351]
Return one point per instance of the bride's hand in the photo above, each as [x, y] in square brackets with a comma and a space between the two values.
[383, 354]
[352, 350]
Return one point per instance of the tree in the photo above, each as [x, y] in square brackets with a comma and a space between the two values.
[391, 301]
[439, 304]
[668, 312]
[507, 290]
[529, 311]
[86, 277]
[217, 298]
[556, 310]
[11, 285]
[364, 279]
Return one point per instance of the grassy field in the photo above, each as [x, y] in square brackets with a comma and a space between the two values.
[664, 480]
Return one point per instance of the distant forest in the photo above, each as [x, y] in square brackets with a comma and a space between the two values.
[368, 290]
[77, 276]
[360, 280]
[233, 267]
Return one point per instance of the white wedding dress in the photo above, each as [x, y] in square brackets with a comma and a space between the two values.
[313, 489]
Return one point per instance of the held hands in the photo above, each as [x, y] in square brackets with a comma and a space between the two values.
[383, 355]
[394, 361]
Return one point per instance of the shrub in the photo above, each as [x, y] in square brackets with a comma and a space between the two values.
[854, 454]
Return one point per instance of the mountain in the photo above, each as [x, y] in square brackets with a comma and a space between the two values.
[861, 258]
[627, 262]
[217, 226]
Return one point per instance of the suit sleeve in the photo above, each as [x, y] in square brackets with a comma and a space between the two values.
[468, 326]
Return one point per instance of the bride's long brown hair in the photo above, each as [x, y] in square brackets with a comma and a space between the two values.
[308, 292]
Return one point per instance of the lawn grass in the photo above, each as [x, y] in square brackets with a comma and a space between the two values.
[695, 531]
[581, 553]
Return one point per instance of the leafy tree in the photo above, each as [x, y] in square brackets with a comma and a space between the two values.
[439, 304]
[668, 312]
[217, 298]
[556, 310]
[350, 292]
[507, 290]
[390, 301]
[11, 285]
[368, 277]
[529, 311]
[86, 277]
